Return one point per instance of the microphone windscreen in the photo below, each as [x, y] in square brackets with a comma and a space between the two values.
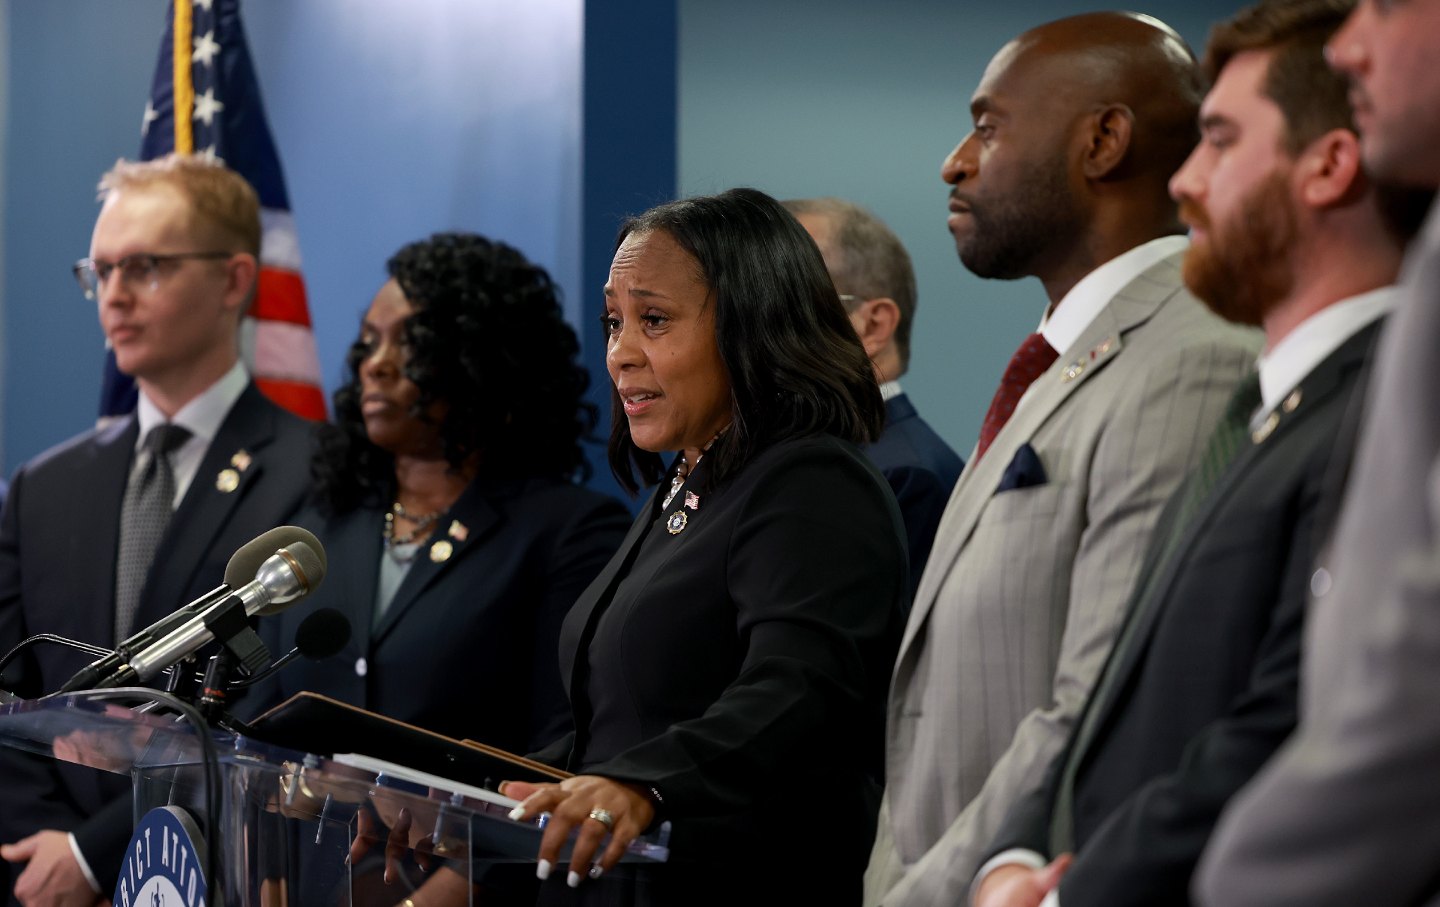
[322, 634]
[246, 562]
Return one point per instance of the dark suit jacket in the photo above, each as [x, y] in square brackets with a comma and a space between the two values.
[921, 469]
[1207, 689]
[58, 542]
[739, 666]
[467, 647]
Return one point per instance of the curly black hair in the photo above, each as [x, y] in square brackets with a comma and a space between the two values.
[487, 332]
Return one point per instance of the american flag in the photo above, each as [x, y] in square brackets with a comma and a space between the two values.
[204, 72]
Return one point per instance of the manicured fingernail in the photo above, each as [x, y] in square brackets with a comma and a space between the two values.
[597, 871]
[517, 813]
[388, 877]
[573, 879]
[542, 870]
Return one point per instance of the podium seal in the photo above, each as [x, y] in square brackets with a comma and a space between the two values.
[163, 864]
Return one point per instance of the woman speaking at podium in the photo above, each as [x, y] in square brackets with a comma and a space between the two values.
[727, 668]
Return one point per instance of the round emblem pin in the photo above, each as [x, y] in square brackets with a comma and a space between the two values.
[676, 522]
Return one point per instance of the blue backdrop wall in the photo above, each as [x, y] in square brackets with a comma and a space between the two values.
[863, 100]
[541, 123]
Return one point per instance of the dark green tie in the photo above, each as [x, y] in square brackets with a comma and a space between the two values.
[1228, 439]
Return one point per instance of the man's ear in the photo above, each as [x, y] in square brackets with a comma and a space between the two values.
[241, 273]
[1329, 170]
[875, 321]
[1111, 131]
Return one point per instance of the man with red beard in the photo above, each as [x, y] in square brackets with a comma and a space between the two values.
[1289, 234]
[1349, 811]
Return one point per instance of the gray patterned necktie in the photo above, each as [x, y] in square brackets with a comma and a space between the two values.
[149, 499]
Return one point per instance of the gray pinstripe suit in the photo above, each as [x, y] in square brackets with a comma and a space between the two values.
[1024, 589]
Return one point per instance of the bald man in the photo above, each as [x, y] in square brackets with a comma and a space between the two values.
[876, 283]
[1078, 126]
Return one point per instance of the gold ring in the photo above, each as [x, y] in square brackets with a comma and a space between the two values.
[604, 817]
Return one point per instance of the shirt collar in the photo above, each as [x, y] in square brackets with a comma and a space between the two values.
[1306, 346]
[202, 415]
[1065, 321]
[889, 390]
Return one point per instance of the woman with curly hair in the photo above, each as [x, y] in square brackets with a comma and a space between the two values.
[456, 536]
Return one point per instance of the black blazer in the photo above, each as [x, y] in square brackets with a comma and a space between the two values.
[467, 646]
[922, 470]
[58, 541]
[1207, 689]
[734, 655]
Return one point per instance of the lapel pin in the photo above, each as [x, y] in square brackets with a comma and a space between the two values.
[1291, 401]
[459, 531]
[692, 500]
[241, 460]
[1263, 432]
[440, 551]
[676, 522]
[1102, 349]
[1073, 370]
[227, 481]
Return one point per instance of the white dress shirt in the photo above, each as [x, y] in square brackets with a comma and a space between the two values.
[202, 416]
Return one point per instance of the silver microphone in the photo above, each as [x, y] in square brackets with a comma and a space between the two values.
[284, 578]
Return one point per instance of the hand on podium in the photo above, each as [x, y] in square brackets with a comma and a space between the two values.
[52, 877]
[593, 806]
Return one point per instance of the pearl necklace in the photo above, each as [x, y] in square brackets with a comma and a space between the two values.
[682, 471]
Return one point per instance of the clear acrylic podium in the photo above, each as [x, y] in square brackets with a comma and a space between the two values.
[287, 827]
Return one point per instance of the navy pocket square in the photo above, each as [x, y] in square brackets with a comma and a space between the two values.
[1024, 471]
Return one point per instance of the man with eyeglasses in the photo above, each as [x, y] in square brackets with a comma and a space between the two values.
[113, 530]
[876, 282]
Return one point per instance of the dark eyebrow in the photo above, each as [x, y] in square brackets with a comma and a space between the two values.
[980, 105]
[1215, 121]
[646, 294]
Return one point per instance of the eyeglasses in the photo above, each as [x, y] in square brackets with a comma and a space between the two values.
[141, 270]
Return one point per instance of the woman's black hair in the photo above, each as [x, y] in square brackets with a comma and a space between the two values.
[794, 363]
[489, 339]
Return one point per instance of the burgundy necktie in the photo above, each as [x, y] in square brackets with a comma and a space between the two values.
[1029, 362]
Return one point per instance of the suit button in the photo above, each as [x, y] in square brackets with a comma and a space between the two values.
[1320, 583]
[361, 668]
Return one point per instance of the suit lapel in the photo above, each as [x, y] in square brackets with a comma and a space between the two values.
[231, 467]
[1330, 377]
[603, 587]
[355, 539]
[102, 488]
[1100, 343]
[461, 530]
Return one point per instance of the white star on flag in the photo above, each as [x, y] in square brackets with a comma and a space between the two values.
[151, 115]
[203, 4]
[205, 49]
[206, 107]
